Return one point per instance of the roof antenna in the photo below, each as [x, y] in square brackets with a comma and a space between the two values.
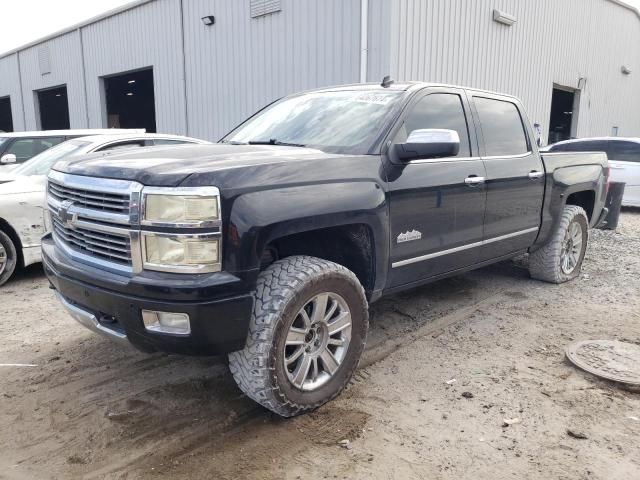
[386, 82]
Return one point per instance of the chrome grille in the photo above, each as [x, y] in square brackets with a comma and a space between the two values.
[96, 220]
[113, 248]
[109, 202]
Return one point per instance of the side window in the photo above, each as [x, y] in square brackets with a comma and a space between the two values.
[624, 151]
[25, 148]
[122, 145]
[502, 127]
[438, 110]
[162, 141]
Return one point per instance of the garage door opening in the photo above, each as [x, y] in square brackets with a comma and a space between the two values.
[6, 119]
[54, 108]
[130, 100]
[561, 124]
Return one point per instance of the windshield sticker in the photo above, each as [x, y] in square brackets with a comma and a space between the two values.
[374, 98]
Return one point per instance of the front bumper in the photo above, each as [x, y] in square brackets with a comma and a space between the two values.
[219, 305]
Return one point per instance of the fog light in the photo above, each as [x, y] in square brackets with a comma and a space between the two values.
[166, 322]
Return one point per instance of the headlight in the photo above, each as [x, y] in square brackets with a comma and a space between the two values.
[181, 207]
[181, 253]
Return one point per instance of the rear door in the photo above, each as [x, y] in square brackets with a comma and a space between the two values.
[435, 216]
[515, 176]
[624, 161]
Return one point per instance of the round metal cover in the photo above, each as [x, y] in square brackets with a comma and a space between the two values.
[617, 361]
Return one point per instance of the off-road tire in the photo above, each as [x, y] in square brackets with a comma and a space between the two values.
[545, 263]
[11, 260]
[282, 290]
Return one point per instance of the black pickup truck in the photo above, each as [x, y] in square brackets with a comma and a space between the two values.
[270, 245]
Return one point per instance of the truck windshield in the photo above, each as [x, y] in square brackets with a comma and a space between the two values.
[42, 163]
[345, 121]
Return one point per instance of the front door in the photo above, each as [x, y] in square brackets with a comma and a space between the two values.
[515, 178]
[436, 205]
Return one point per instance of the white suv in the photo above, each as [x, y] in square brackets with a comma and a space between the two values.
[624, 160]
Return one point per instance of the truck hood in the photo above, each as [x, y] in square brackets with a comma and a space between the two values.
[171, 166]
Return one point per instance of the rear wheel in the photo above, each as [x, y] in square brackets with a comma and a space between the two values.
[307, 333]
[8, 258]
[560, 260]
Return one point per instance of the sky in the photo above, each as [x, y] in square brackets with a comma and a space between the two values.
[28, 20]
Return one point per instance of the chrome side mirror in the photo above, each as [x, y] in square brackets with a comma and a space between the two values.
[8, 158]
[428, 143]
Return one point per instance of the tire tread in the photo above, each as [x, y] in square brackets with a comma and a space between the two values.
[278, 285]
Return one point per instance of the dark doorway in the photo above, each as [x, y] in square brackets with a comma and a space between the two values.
[6, 119]
[130, 100]
[54, 108]
[561, 122]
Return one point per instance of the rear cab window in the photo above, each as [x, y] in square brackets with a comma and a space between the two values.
[502, 127]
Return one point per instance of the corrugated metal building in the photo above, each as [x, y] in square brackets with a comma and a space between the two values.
[584, 55]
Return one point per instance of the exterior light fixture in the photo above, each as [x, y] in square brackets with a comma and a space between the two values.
[625, 70]
[209, 20]
[129, 94]
[582, 82]
[503, 18]
[131, 81]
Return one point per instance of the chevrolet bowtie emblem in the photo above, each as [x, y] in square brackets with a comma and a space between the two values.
[67, 217]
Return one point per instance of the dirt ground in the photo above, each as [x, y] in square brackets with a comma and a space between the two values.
[446, 364]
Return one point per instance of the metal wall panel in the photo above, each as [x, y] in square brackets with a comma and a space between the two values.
[10, 87]
[148, 35]
[64, 62]
[241, 63]
[379, 40]
[553, 41]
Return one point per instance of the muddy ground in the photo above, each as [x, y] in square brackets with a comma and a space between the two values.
[446, 364]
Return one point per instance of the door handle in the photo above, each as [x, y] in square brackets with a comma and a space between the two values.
[473, 180]
[534, 174]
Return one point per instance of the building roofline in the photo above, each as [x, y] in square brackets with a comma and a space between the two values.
[85, 23]
[627, 6]
[137, 3]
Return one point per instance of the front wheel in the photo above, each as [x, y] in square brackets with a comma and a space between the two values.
[560, 260]
[8, 258]
[307, 333]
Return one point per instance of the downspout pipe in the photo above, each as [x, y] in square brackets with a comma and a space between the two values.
[364, 39]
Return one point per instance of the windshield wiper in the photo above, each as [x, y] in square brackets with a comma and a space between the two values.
[273, 141]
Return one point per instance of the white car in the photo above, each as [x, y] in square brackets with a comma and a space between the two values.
[22, 193]
[19, 147]
[624, 160]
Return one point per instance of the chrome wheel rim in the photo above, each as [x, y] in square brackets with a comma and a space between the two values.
[571, 248]
[317, 341]
[3, 259]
